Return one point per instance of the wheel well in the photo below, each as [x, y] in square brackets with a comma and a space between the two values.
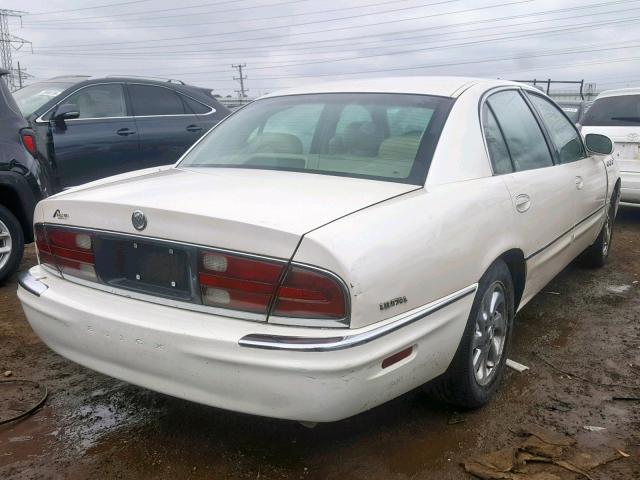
[10, 199]
[518, 267]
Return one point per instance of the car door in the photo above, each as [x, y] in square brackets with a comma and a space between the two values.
[166, 123]
[588, 172]
[102, 141]
[541, 192]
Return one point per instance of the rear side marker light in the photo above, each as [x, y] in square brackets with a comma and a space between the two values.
[397, 357]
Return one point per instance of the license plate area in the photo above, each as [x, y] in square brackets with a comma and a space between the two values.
[626, 151]
[144, 266]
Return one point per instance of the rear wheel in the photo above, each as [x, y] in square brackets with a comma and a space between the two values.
[11, 243]
[598, 253]
[478, 365]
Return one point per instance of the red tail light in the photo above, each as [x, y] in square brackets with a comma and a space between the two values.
[306, 293]
[29, 141]
[70, 251]
[242, 283]
[238, 283]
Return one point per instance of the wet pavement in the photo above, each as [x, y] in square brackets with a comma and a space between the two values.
[580, 336]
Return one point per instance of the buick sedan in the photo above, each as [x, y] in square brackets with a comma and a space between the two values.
[324, 250]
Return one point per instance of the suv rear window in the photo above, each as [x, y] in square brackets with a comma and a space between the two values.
[364, 135]
[618, 111]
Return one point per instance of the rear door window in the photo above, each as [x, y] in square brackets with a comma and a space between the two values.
[563, 133]
[498, 151]
[194, 106]
[618, 111]
[148, 100]
[523, 136]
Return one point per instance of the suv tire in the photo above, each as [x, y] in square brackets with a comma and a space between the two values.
[11, 243]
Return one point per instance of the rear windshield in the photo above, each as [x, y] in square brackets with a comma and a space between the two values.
[32, 97]
[379, 136]
[572, 111]
[618, 111]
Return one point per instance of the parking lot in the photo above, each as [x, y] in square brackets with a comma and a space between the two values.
[585, 324]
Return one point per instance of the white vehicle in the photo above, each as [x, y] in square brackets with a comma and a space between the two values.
[324, 250]
[616, 113]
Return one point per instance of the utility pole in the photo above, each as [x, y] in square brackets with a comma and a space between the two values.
[21, 74]
[9, 42]
[243, 91]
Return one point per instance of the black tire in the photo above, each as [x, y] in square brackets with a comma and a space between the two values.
[597, 254]
[459, 384]
[10, 224]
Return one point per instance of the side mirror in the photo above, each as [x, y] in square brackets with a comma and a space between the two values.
[66, 111]
[598, 144]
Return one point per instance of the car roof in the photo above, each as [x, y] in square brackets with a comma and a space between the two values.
[619, 92]
[421, 85]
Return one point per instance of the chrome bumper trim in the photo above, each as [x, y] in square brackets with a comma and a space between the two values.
[31, 284]
[327, 344]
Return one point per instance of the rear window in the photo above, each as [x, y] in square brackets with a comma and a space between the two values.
[618, 111]
[378, 136]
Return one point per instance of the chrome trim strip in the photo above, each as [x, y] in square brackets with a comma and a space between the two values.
[328, 344]
[31, 284]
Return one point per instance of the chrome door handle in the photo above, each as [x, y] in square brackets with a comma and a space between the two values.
[523, 202]
[579, 183]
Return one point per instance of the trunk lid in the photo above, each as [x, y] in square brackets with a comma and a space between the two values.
[255, 211]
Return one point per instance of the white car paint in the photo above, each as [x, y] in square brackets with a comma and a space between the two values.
[427, 244]
[626, 146]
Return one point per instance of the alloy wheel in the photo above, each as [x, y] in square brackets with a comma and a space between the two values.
[5, 244]
[606, 240]
[490, 334]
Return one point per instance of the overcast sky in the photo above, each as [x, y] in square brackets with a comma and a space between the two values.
[293, 42]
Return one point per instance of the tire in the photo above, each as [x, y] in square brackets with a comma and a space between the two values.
[460, 385]
[11, 243]
[597, 254]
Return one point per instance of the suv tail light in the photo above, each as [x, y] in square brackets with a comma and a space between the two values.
[28, 140]
[69, 251]
[244, 283]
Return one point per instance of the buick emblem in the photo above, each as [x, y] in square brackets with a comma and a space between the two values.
[633, 137]
[139, 220]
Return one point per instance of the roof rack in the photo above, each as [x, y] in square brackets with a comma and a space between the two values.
[168, 80]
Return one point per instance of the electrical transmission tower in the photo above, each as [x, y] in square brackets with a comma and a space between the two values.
[9, 42]
[243, 91]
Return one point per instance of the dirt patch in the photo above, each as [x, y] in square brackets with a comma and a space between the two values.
[576, 340]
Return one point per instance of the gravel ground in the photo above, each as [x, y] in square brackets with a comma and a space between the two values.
[585, 323]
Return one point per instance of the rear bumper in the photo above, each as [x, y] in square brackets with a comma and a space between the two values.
[630, 187]
[203, 357]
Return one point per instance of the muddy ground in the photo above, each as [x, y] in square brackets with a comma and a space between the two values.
[586, 322]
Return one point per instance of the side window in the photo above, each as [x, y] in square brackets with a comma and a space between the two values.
[294, 126]
[498, 151]
[100, 101]
[150, 100]
[195, 106]
[522, 134]
[563, 134]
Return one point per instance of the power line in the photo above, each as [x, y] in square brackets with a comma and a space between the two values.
[87, 8]
[377, 46]
[350, 27]
[8, 43]
[244, 20]
[145, 15]
[318, 43]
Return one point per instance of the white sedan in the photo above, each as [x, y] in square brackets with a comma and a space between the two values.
[324, 250]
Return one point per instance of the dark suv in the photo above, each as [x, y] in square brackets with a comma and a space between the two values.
[22, 182]
[90, 128]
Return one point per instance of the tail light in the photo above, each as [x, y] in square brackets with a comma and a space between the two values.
[69, 251]
[28, 140]
[244, 283]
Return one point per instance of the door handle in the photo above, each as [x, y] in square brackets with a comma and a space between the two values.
[125, 132]
[579, 183]
[523, 202]
[194, 128]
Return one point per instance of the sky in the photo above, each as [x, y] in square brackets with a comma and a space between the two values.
[288, 43]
